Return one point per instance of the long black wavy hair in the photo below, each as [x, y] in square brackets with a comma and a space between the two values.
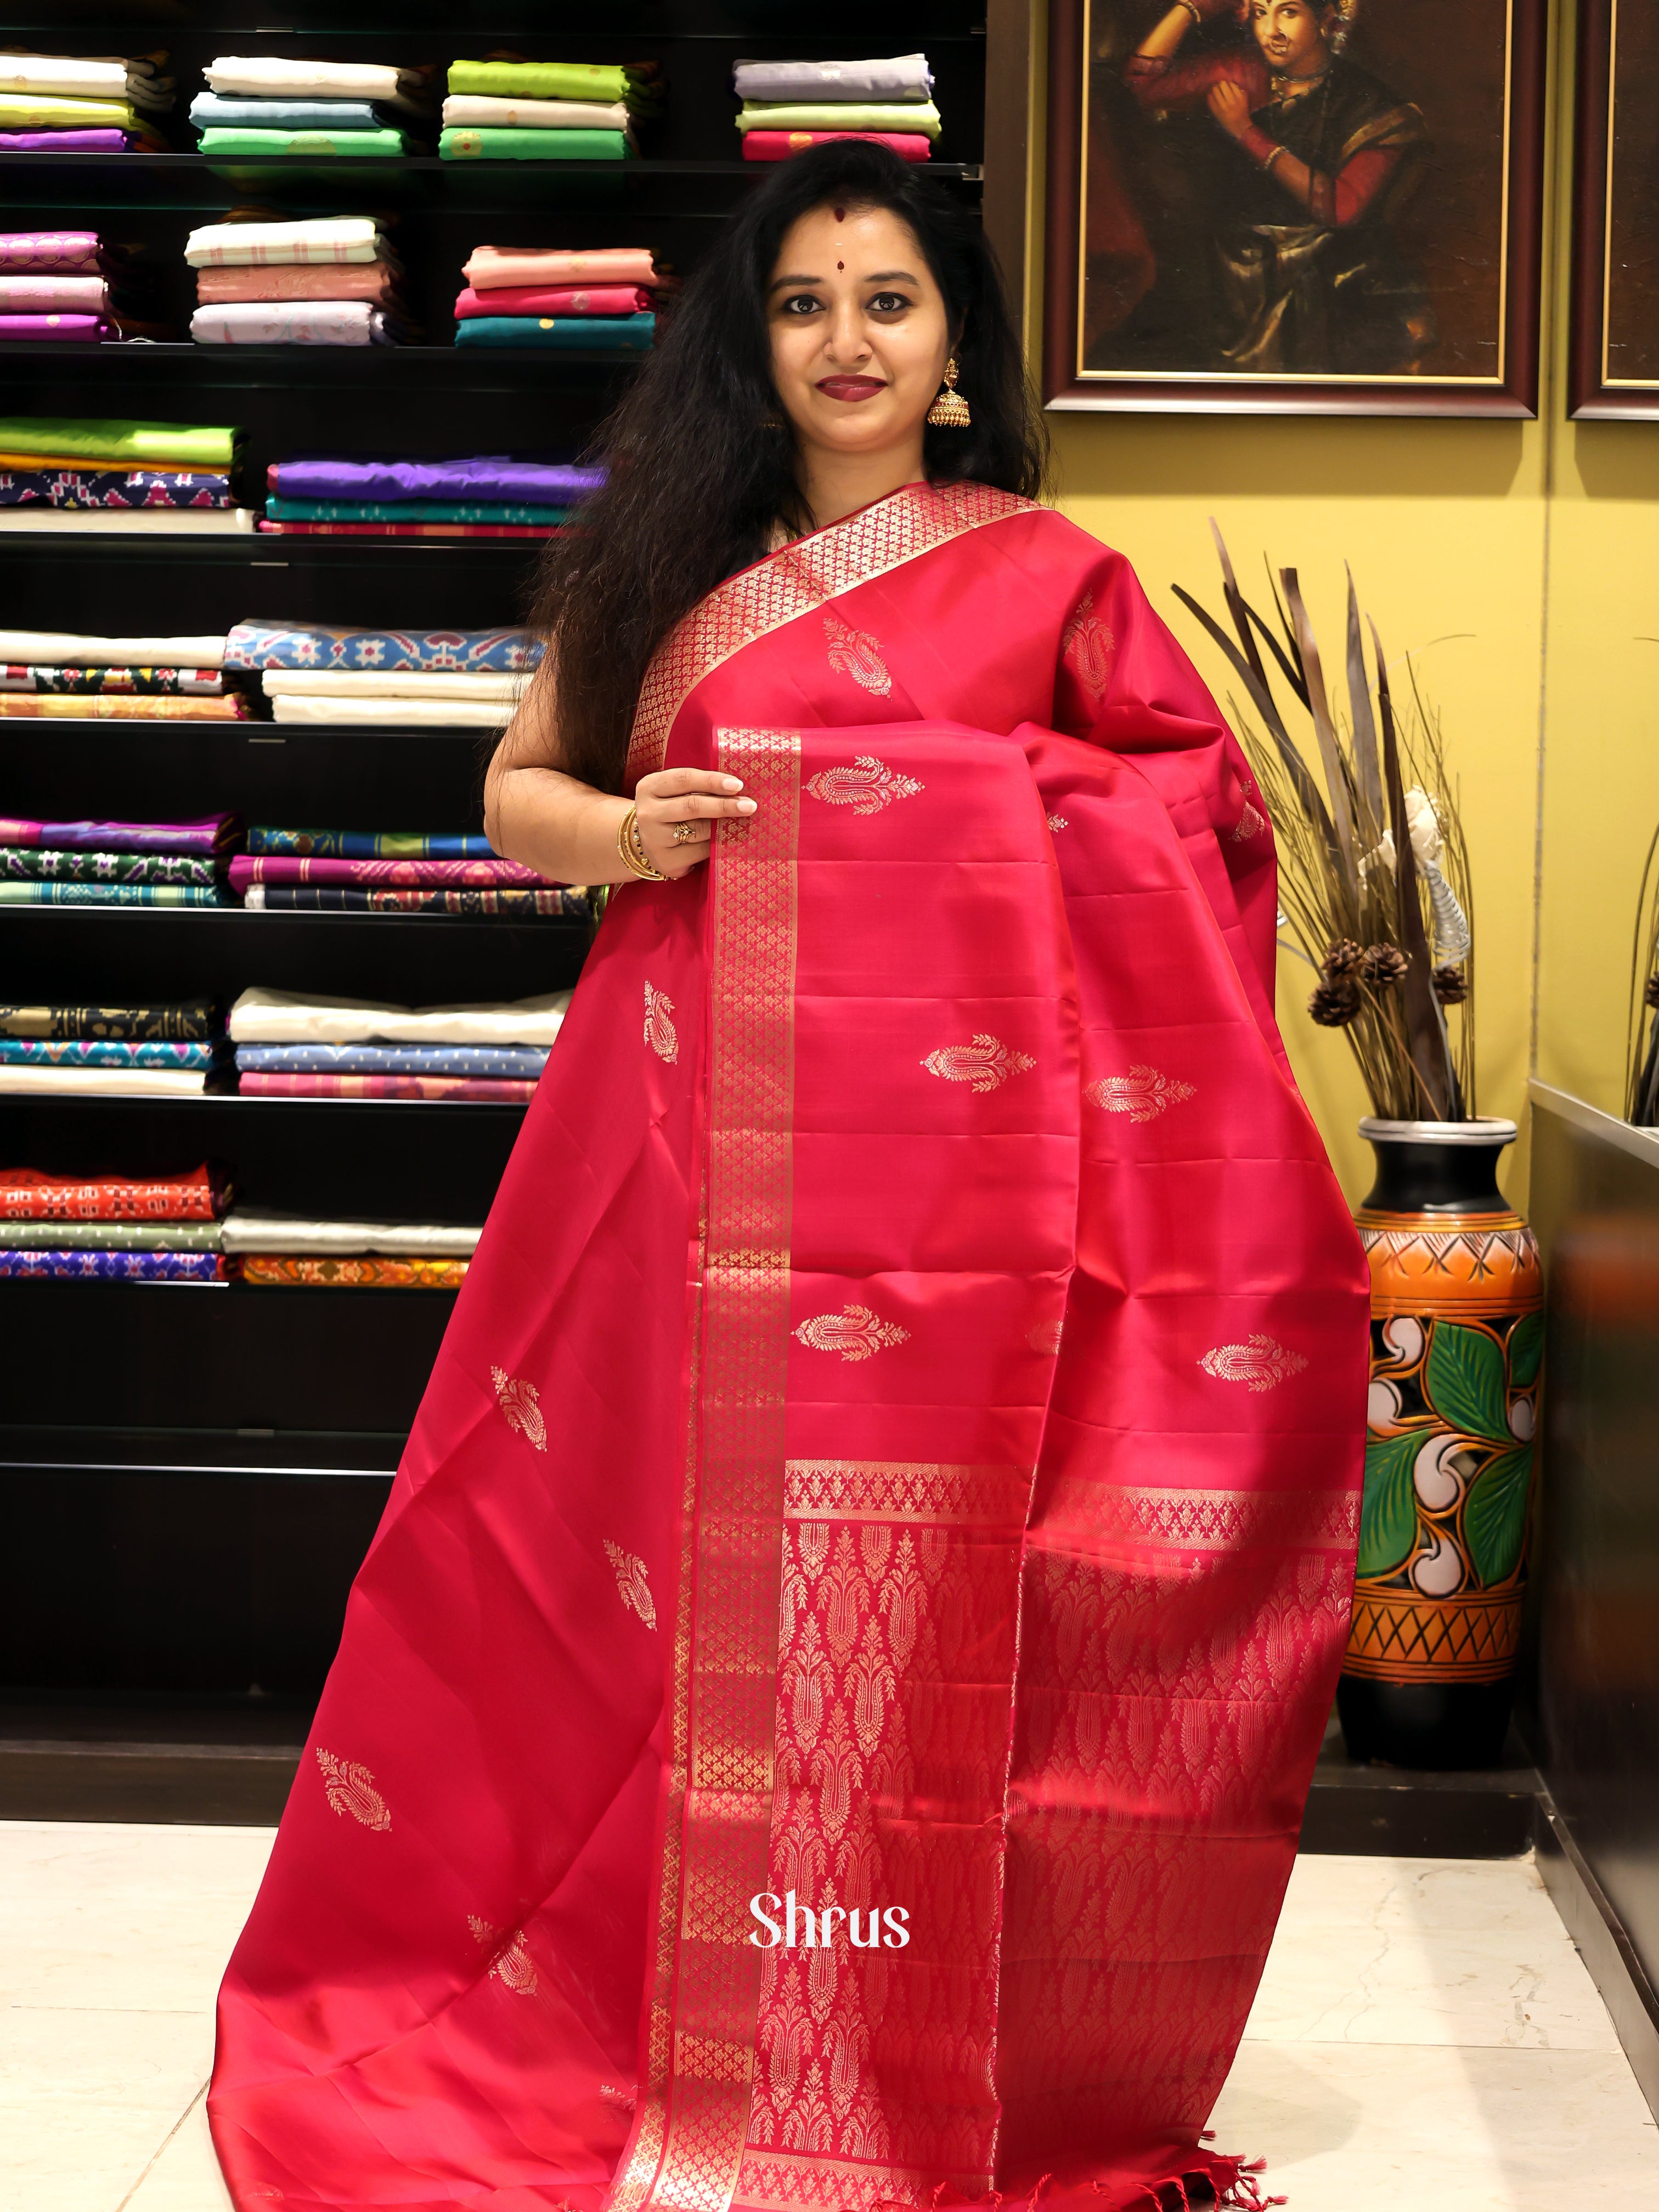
[700, 472]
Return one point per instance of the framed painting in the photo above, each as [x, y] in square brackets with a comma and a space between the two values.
[1613, 354]
[1295, 206]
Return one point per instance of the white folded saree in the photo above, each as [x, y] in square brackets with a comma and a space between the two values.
[55, 648]
[265, 1017]
[391, 683]
[395, 714]
[252, 1229]
[482, 111]
[254, 244]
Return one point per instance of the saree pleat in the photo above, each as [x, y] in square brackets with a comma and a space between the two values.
[896, 1453]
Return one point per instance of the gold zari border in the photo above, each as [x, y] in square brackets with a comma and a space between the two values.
[695, 2102]
[904, 1490]
[792, 583]
[1221, 1519]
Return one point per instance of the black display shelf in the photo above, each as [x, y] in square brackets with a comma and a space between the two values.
[189, 1477]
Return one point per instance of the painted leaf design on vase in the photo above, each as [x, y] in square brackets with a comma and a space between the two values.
[1495, 1517]
[660, 1032]
[1526, 1350]
[854, 652]
[631, 1582]
[984, 1064]
[1260, 1363]
[518, 1401]
[1143, 1094]
[1464, 1381]
[866, 786]
[856, 1333]
[349, 1788]
[1086, 645]
[1388, 1511]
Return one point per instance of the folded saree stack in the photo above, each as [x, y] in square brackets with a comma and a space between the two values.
[571, 302]
[52, 675]
[117, 1227]
[66, 476]
[299, 1252]
[472, 495]
[70, 287]
[65, 103]
[263, 103]
[790, 105]
[327, 281]
[393, 872]
[514, 111]
[317, 672]
[65, 1051]
[295, 1047]
[119, 864]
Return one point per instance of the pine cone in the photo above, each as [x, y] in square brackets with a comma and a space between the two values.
[1382, 966]
[1342, 959]
[1652, 993]
[1334, 1004]
[1451, 986]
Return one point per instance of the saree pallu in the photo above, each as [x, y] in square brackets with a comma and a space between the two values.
[248, 868]
[29, 863]
[896, 1451]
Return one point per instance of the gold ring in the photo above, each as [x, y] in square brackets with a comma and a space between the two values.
[684, 832]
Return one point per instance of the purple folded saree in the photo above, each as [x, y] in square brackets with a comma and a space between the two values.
[480, 476]
[39, 330]
[69, 142]
[210, 834]
[292, 868]
[61, 252]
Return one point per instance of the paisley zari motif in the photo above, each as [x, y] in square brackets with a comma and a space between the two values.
[866, 786]
[984, 1064]
[957, 1461]
[1143, 1094]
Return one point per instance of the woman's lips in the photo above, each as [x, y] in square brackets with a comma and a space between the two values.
[851, 387]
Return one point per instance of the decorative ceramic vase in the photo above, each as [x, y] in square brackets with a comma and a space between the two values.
[1457, 1334]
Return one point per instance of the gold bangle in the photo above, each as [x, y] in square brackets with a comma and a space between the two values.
[631, 846]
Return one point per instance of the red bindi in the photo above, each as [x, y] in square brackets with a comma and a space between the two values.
[840, 264]
[841, 214]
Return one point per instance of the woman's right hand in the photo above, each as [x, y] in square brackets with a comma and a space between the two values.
[700, 796]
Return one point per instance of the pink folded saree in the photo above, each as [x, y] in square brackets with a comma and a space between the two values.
[825, 1720]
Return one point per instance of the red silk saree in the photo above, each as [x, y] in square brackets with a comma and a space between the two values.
[893, 1469]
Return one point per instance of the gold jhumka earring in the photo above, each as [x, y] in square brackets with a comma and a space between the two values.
[950, 411]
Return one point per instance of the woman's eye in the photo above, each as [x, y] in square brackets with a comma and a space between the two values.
[803, 303]
[888, 303]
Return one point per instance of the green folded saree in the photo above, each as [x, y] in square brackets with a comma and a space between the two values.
[914, 115]
[542, 81]
[229, 141]
[489, 144]
[129, 444]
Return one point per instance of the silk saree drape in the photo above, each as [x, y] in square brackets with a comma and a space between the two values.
[896, 1451]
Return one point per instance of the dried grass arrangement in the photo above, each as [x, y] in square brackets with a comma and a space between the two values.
[1374, 872]
[1642, 1052]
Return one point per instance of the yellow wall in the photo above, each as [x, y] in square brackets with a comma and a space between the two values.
[1516, 563]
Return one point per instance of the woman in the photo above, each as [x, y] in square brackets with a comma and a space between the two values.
[1310, 279]
[825, 1717]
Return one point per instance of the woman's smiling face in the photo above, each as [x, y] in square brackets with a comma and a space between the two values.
[858, 328]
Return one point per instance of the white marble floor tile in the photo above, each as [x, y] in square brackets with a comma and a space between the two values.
[185, 2176]
[1476, 2130]
[122, 1917]
[1440, 1951]
[87, 2098]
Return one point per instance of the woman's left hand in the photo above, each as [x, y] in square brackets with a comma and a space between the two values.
[1230, 104]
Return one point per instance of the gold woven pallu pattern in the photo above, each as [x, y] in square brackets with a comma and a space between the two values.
[1396, 1637]
[792, 583]
[694, 2107]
